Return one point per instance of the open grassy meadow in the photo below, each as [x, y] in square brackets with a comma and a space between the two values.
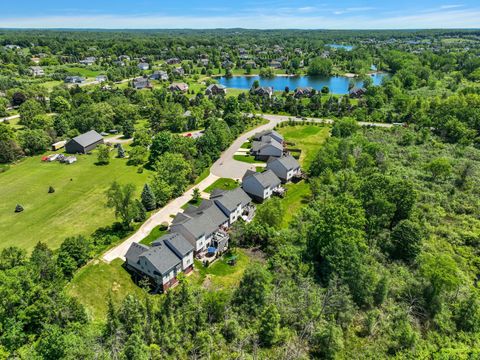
[308, 138]
[76, 207]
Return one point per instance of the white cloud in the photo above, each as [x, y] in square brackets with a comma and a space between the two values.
[453, 18]
[453, 6]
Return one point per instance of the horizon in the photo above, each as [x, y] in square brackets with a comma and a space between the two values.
[260, 15]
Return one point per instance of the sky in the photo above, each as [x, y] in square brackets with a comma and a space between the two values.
[259, 14]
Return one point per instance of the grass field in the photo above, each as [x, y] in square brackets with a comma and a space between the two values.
[76, 207]
[308, 138]
[297, 196]
[92, 284]
[222, 183]
[154, 235]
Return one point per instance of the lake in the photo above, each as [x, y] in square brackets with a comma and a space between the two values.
[336, 84]
[339, 46]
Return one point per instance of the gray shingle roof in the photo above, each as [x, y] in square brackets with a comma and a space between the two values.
[134, 252]
[261, 134]
[288, 162]
[232, 198]
[162, 258]
[266, 178]
[88, 138]
[266, 141]
[176, 242]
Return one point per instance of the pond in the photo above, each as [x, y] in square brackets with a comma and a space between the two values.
[339, 46]
[336, 84]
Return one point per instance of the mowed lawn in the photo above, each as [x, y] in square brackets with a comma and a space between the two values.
[76, 207]
[92, 285]
[308, 138]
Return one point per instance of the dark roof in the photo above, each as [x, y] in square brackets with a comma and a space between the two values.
[89, 138]
[232, 198]
[287, 161]
[266, 178]
[162, 258]
[269, 133]
[176, 242]
[134, 252]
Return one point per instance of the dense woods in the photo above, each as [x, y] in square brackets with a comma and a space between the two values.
[381, 261]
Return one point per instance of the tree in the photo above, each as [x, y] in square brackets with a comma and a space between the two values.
[137, 155]
[439, 168]
[269, 330]
[162, 190]
[34, 141]
[103, 155]
[174, 170]
[251, 294]
[74, 252]
[320, 67]
[345, 127]
[60, 105]
[121, 199]
[271, 213]
[148, 198]
[120, 151]
[196, 195]
[406, 240]
[11, 257]
[28, 110]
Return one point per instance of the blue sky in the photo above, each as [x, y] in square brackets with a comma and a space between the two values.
[260, 14]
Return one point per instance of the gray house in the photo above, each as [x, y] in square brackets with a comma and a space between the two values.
[74, 80]
[233, 203]
[143, 66]
[261, 186]
[141, 83]
[84, 143]
[272, 133]
[285, 167]
[266, 148]
[159, 75]
[202, 226]
[168, 256]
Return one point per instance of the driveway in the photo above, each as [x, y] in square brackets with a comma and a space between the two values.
[224, 167]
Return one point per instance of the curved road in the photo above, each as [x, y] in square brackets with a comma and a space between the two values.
[224, 167]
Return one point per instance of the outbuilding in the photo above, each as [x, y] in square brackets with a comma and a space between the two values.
[84, 143]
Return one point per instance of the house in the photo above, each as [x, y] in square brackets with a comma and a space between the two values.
[272, 133]
[118, 63]
[124, 58]
[202, 226]
[265, 148]
[203, 62]
[356, 92]
[250, 63]
[12, 47]
[216, 89]
[179, 71]
[84, 143]
[233, 203]
[35, 60]
[275, 64]
[261, 186]
[262, 91]
[101, 78]
[304, 92]
[178, 87]
[161, 262]
[74, 80]
[227, 64]
[37, 71]
[159, 75]
[88, 61]
[143, 66]
[285, 167]
[141, 83]
[173, 61]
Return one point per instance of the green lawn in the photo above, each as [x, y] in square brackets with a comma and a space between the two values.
[76, 207]
[191, 202]
[308, 138]
[83, 71]
[202, 176]
[154, 235]
[92, 284]
[221, 275]
[246, 145]
[246, 158]
[222, 183]
[296, 197]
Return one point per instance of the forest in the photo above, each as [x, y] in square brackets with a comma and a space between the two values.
[380, 261]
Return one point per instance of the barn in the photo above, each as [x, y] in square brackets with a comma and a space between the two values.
[84, 143]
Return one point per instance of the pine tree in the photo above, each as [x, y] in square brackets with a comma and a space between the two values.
[120, 151]
[269, 331]
[148, 198]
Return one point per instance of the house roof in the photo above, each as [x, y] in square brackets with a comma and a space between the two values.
[231, 199]
[287, 161]
[266, 141]
[161, 257]
[88, 138]
[176, 242]
[204, 219]
[266, 179]
[216, 86]
[271, 133]
[134, 252]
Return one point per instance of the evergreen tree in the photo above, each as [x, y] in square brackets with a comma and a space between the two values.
[269, 326]
[148, 198]
[120, 151]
